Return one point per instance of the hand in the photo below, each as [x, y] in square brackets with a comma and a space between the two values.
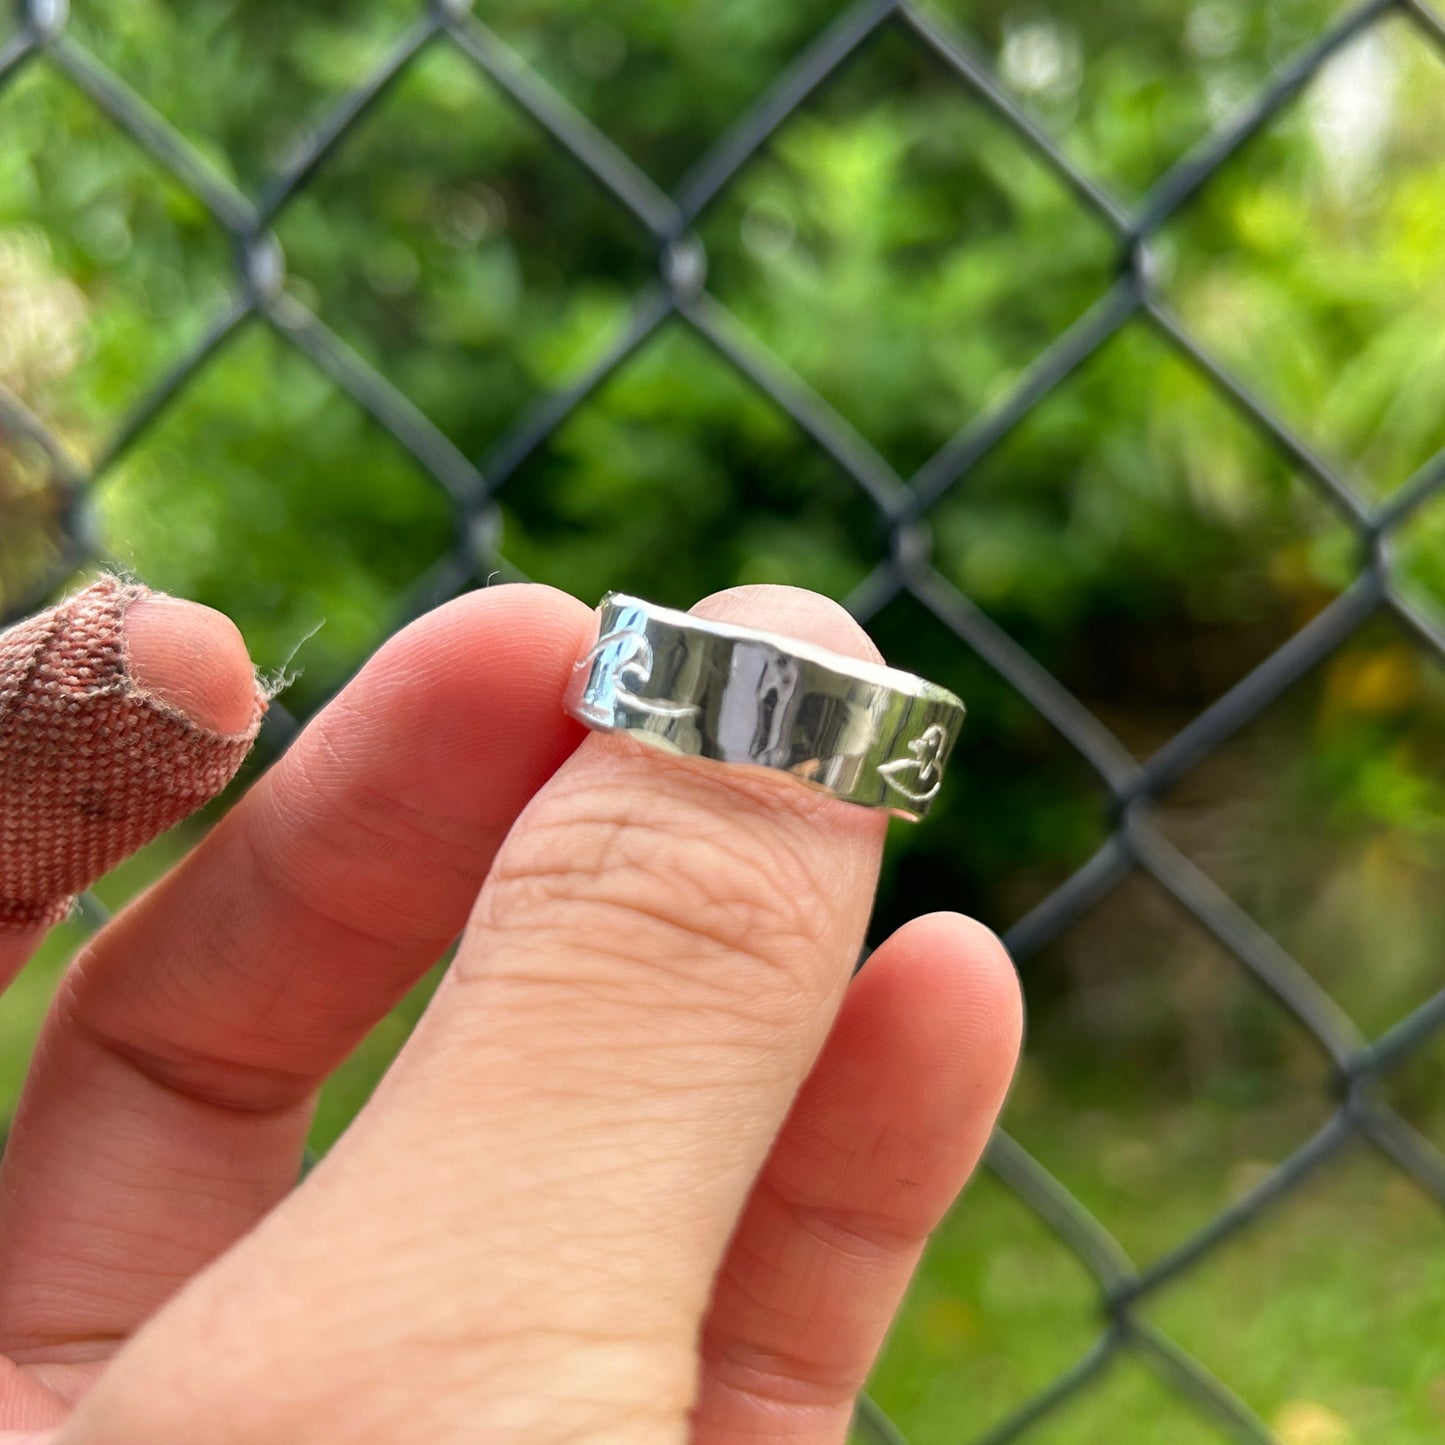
[649, 1170]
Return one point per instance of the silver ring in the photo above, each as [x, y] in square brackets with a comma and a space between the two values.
[864, 733]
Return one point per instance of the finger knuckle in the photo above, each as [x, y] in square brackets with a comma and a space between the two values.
[667, 879]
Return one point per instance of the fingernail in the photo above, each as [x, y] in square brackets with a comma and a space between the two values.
[193, 659]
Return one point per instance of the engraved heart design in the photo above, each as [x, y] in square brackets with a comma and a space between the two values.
[918, 778]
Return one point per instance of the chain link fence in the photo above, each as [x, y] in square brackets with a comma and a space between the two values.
[678, 293]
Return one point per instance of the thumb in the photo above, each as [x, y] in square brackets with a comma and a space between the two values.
[121, 712]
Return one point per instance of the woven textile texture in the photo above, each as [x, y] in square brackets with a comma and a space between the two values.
[91, 766]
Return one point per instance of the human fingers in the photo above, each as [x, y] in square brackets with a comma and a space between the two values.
[172, 1091]
[515, 1241]
[881, 1138]
[121, 711]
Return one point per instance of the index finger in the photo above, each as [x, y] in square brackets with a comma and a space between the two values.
[172, 1090]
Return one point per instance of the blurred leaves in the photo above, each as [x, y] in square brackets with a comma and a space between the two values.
[908, 256]
[894, 245]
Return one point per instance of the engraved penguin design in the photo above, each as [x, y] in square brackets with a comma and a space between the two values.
[918, 778]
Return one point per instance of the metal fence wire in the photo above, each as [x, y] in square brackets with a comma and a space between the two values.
[679, 293]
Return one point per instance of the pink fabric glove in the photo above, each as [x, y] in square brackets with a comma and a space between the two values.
[92, 765]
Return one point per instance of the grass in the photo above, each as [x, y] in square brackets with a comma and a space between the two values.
[1323, 1316]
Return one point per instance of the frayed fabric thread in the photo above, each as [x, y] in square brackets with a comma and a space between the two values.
[91, 766]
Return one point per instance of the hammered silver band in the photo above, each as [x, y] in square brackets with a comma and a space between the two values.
[865, 733]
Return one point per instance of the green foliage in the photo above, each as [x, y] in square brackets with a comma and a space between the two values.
[900, 250]
[895, 245]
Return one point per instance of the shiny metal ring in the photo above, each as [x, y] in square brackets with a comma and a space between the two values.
[865, 733]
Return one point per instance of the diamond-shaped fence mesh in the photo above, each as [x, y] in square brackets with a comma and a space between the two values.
[677, 293]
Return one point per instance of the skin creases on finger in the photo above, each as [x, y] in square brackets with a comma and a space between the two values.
[167, 1106]
[518, 1236]
[649, 973]
[881, 1137]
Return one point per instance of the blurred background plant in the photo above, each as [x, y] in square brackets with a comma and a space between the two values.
[908, 256]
